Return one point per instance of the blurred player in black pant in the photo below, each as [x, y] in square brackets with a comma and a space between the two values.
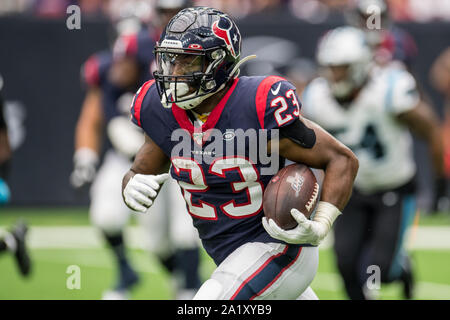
[13, 241]
[372, 109]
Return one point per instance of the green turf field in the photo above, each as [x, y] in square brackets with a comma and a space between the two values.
[49, 277]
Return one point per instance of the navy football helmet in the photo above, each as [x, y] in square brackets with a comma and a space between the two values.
[197, 55]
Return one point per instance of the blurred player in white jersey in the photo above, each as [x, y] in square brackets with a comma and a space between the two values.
[372, 110]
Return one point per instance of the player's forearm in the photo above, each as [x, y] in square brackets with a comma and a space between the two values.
[423, 122]
[339, 163]
[88, 137]
[340, 174]
[88, 132]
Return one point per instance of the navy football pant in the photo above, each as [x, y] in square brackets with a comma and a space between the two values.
[371, 231]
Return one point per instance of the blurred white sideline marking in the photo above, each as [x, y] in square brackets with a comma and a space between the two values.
[324, 281]
[60, 237]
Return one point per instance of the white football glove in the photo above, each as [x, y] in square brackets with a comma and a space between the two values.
[141, 190]
[85, 167]
[307, 231]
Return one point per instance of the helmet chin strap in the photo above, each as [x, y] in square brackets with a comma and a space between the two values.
[183, 88]
[193, 102]
[236, 67]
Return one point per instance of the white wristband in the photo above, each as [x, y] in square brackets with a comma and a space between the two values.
[326, 213]
[85, 155]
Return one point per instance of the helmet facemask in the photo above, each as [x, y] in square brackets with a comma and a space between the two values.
[186, 76]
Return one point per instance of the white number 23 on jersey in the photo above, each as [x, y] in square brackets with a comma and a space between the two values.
[204, 210]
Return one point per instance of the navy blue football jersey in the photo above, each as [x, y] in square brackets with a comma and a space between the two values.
[220, 178]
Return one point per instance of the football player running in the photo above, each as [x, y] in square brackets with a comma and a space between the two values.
[372, 109]
[197, 92]
[112, 80]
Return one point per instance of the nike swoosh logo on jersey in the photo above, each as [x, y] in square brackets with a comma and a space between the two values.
[276, 90]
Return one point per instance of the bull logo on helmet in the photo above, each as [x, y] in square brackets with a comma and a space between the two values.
[223, 29]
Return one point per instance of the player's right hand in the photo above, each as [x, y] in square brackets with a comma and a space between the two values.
[85, 166]
[141, 191]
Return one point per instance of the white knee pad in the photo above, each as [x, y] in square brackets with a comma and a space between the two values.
[211, 289]
[108, 211]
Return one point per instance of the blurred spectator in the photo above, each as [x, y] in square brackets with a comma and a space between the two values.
[241, 8]
[388, 41]
[419, 10]
[318, 11]
[12, 6]
[50, 8]
[314, 11]
[123, 10]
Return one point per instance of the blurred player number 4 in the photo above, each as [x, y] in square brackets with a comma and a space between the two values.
[73, 21]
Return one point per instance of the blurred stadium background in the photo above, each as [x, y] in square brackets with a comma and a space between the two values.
[40, 65]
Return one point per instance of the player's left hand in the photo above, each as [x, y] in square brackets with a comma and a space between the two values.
[85, 167]
[306, 231]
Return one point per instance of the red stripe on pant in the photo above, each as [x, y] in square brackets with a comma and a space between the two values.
[261, 268]
[278, 275]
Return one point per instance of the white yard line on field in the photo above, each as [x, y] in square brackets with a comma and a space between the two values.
[91, 257]
[60, 237]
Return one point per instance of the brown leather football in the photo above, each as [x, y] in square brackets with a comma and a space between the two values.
[294, 186]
